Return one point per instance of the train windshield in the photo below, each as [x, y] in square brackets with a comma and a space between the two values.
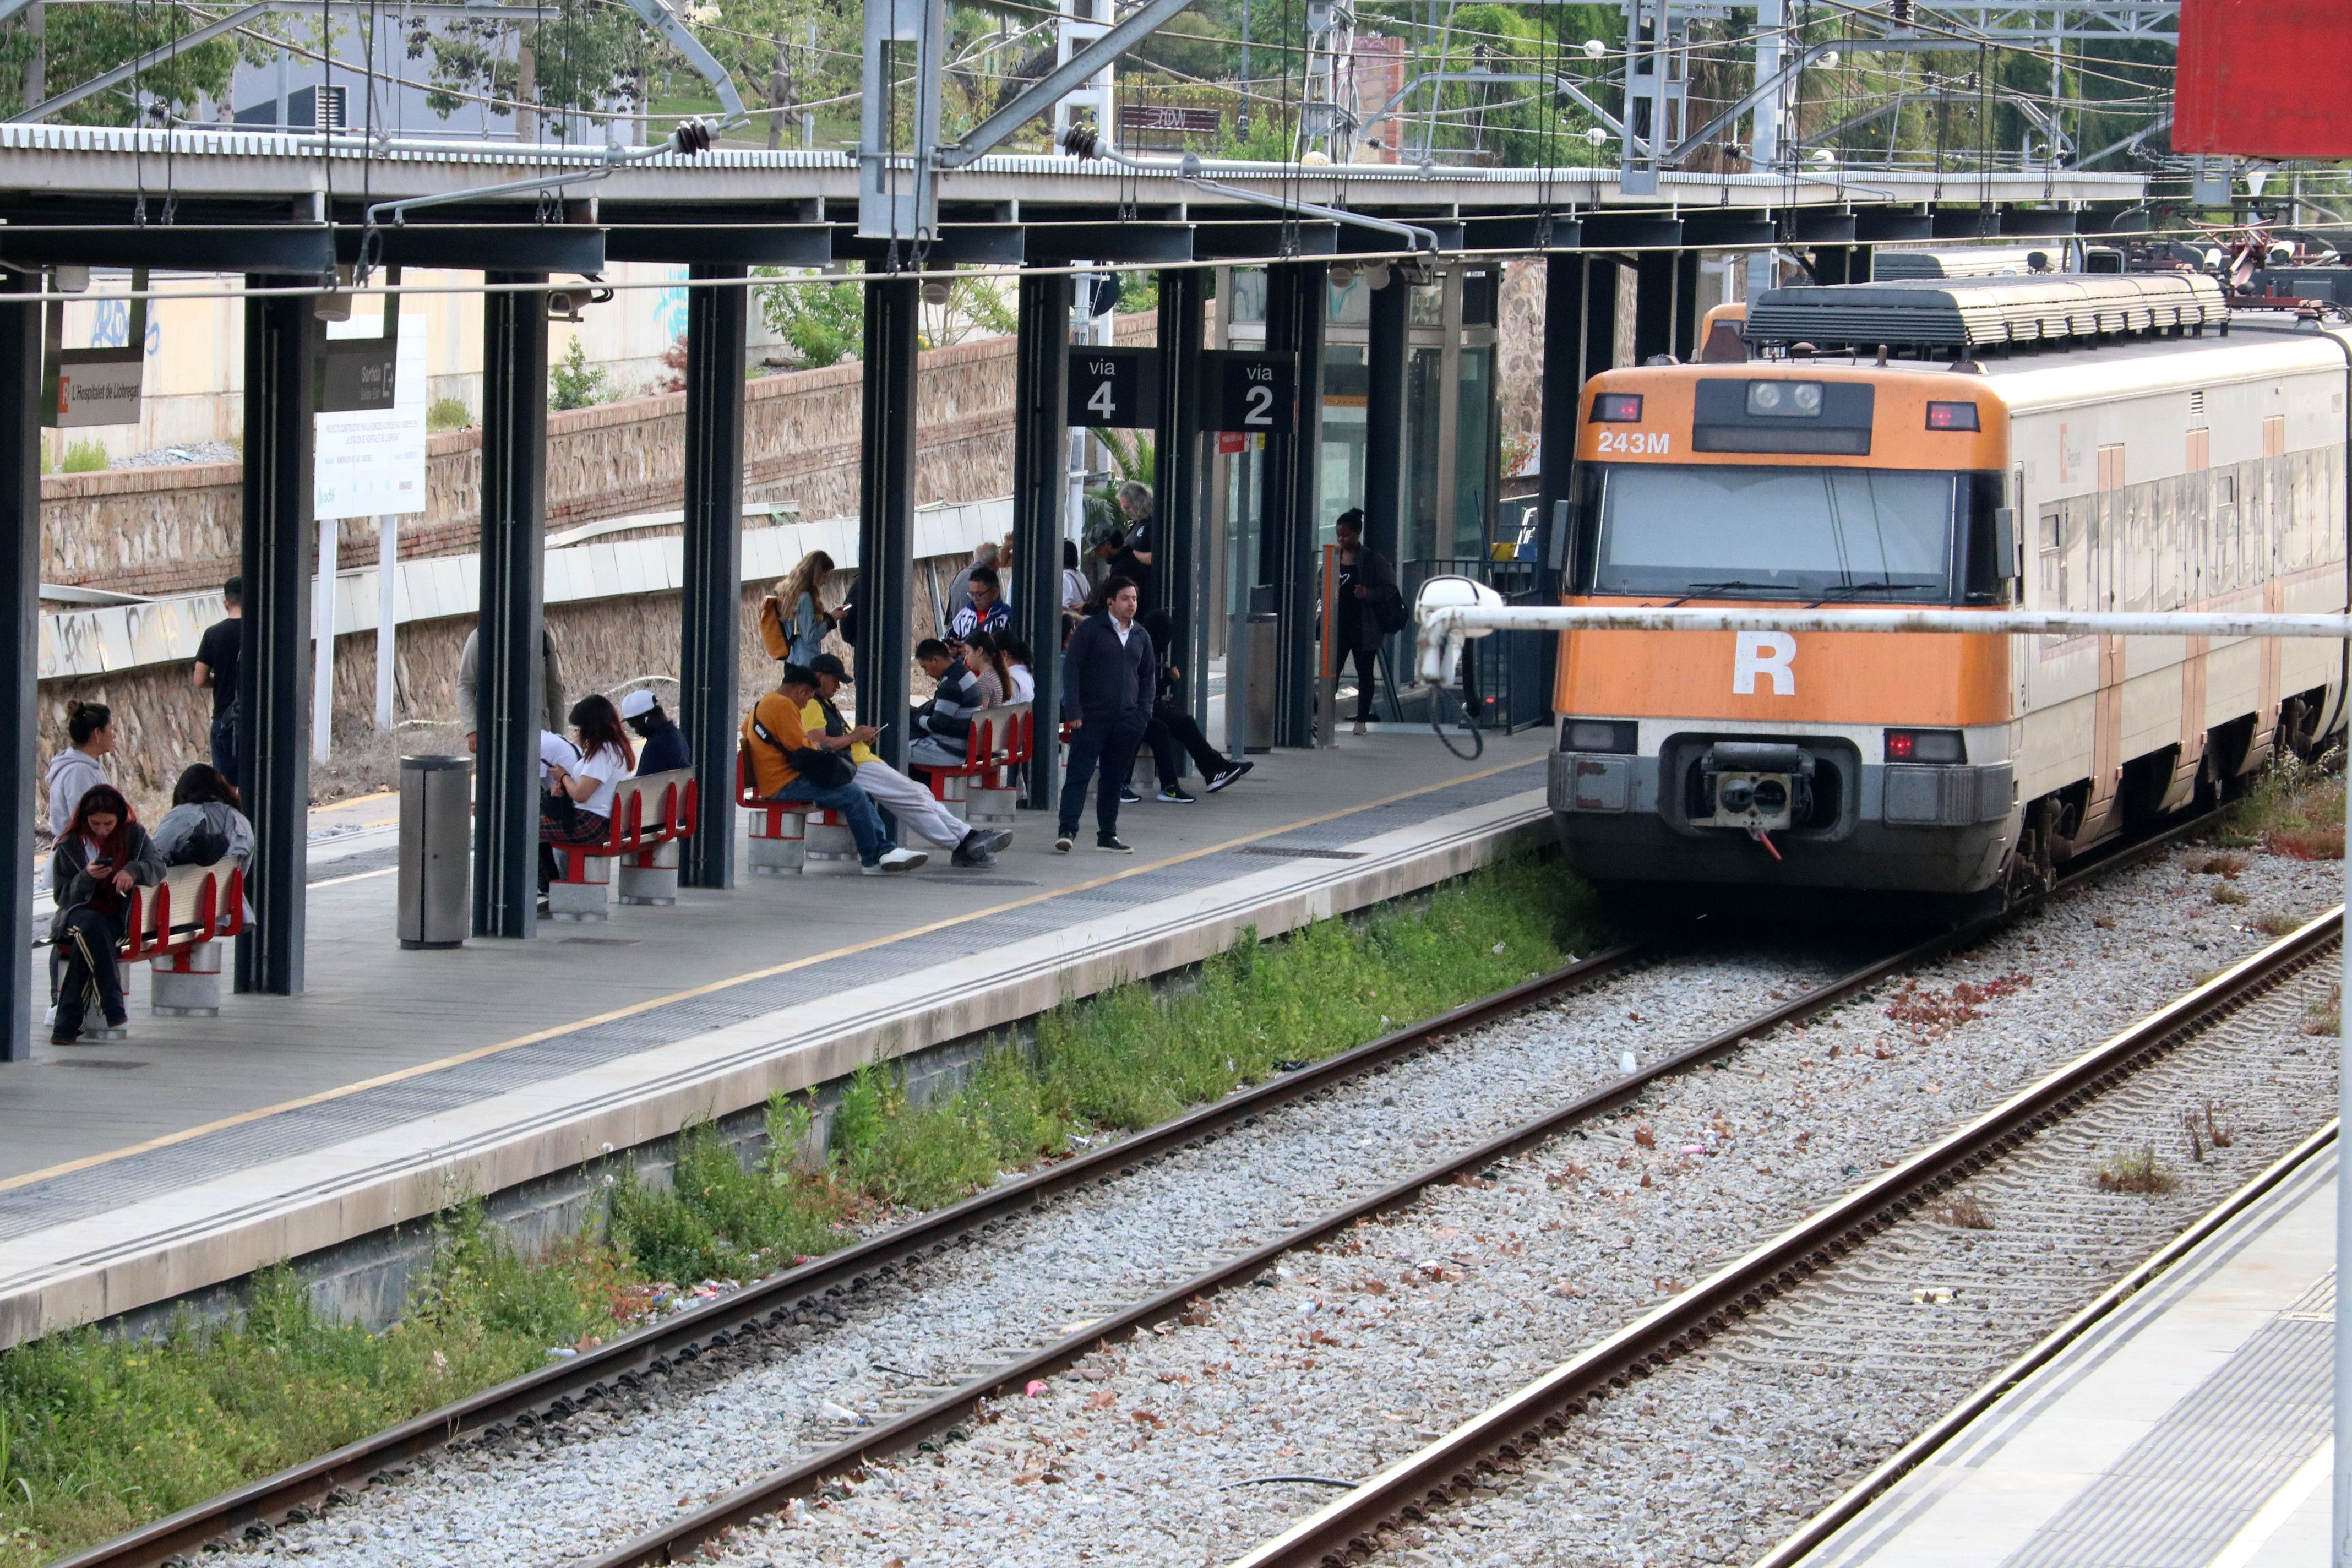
[1873, 535]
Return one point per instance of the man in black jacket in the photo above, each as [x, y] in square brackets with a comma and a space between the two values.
[1108, 677]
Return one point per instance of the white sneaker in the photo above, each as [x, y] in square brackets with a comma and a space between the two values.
[903, 861]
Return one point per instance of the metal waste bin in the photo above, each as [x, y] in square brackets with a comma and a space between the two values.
[436, 843]
[1265, 678]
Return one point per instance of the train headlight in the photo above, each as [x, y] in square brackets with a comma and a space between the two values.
[1772, 796]
[1784, 399]
[1600, 735]
[1734, 796]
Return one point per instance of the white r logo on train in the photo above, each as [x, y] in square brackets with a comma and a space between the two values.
[1769, 654]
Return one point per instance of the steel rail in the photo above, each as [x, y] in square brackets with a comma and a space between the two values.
[683, 1538]
[559, 1389]
[1349, 1526]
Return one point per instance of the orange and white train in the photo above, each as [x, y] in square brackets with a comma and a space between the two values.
[2076, 442]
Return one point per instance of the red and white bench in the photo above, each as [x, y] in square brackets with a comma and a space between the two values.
[980, 790]
[650, 813]
[178, 926]
[790, 840]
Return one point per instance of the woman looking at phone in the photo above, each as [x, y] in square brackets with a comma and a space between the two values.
[100, 856]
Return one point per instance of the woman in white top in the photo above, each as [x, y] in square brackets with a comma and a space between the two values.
[1016, 665]
[578, 808]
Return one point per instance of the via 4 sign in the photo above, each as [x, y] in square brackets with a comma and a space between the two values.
[1114, 387]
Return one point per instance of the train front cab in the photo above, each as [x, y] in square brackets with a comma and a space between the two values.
[1841, 760]
[1914, 763]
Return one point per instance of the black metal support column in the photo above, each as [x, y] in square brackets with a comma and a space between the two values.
[717, 322]
[1686, 311]
[1858, 264]
[1180, 580]
[1654, 305]
[512, 668]
[1177, 584]
[1387, 359]
[20, 592]
[1040, 455]
[886, 531]
[281, 548]
[1567, 300]
[1296, 295]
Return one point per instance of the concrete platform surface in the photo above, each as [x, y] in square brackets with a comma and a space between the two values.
[2187, 1430]
[200, 1149]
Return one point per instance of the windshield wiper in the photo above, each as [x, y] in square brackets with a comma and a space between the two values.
[1848, 590]
[1733, 585]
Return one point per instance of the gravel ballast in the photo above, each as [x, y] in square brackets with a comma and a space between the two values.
[1162, 1450]
[1346, 1359]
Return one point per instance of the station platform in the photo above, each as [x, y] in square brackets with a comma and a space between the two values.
[2189, 1429]
[199, 1149]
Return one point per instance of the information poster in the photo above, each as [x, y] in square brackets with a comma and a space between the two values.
[371, 463]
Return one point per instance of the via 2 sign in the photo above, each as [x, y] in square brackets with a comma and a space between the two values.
[1254, 393]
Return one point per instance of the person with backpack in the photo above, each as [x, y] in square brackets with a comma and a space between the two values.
[102, 854]
[794, 619]
[790, 769]
[1370, 606]
[207, 824]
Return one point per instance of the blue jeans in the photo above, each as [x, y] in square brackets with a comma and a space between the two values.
[224, 740]
[1110, 744]
[855, 810]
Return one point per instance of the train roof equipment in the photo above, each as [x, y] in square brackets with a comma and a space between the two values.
[1960, 261]
[1954, 317]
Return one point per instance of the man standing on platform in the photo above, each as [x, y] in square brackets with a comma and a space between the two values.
[1108, 678]
[216, 659]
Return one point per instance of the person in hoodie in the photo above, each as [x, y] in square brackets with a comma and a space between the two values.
[207, 824]
[102, 855]
[74, 771]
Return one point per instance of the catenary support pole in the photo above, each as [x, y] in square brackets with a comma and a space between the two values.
[1041, 376]
[1686, 311]
[20, 592]
[1295, 310]
[1601, 281]
[281, 337]
[885, 536]
[388, 616]
[718, 320]
[1654, 305]
[1176, 582]
[2340, 1555]
[322, 643]
[512, 669]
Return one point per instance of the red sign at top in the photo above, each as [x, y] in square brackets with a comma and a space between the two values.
[2265, 79]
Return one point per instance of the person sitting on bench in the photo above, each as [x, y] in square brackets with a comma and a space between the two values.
[943, 724]
[787, 768]
[100, 856]
[909, 802]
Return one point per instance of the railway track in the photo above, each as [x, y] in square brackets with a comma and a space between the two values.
[1836, 1240]
[618, 1370]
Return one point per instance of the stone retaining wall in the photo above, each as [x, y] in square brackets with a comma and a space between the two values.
[175, 531]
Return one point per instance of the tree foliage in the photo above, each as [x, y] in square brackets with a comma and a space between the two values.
[80, 42]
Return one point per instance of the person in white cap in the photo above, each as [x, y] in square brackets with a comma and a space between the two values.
[665, 749]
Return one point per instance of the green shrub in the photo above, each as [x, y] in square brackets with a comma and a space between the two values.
[86, 458]
[448, 413]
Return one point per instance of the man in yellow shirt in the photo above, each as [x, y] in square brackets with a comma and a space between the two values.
[915, 808]
[783, 759]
